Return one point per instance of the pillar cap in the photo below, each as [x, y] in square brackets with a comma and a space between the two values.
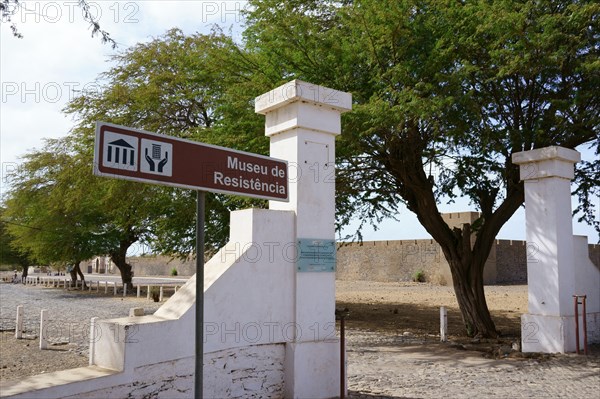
[298, 90]
[547, 162]
[546, 154]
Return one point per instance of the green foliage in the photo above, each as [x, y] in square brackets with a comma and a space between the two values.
[444, 93]
[177, 85]
[44, 213]
[10, 256]
[418, 276]
[182, 86]
[462, 85]
[173, 272]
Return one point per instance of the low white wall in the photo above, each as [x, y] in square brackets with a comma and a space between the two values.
[253, 371]
[556, 334]
[235, 373]
[248, 307]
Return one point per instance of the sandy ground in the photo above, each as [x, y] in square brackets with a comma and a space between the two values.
[395, 308]
[393, 345]
[415, 307]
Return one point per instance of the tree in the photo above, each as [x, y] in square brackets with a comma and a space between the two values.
[170, 85]
[44, 214]
[181, 86]
[8, 8]
[8, 254]
[455, 87]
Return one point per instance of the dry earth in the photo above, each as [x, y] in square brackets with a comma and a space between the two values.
[393, 344]
[415, 307]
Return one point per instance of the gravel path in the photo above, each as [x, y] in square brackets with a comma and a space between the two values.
[383, 366]
[68, 310]
[69, 315]
[388, 362]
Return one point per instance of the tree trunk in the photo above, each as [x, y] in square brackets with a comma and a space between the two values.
[468, 287]
[119, 257]
[465, 252]
[76, 271]
[80, 273]
[73, 274]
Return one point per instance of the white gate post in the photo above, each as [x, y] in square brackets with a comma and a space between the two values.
[43, 329]
[302, 121]
[443, 324]
[19, 323]
[547, 174]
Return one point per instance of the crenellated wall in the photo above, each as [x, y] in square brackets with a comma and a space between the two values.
[395, 261]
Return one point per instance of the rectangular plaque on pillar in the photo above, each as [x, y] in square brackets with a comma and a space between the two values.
[316, 255]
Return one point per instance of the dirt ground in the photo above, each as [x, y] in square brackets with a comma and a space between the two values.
[389, 309]
[415, 307]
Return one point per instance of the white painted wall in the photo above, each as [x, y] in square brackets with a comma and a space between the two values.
[302, 121]
[559, 266]
[269, 330]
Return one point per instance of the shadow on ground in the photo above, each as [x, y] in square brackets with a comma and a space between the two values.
[358, 395]
[420, 319]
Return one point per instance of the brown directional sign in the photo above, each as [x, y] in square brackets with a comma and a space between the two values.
[132, 154]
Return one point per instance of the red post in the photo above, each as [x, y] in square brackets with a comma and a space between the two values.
[585, 344]
[341, 314]
[584, 322]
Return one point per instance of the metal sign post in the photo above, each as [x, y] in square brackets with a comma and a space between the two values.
[199, 362]
[131, 154]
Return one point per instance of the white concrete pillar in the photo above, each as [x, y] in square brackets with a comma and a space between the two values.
[148, 292]
[160, 295]
[93, 339]
[547, 173]
[124, 290]
[302, 121]
[138, 290]
[115, 288]
[443, 324]
[106, 287]
[19, 323]
[44, 329]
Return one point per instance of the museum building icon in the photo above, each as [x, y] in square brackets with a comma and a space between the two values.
[121, 152]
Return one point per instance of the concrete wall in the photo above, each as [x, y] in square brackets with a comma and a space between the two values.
[391, 261]
[157, 265]
[247, 312]
[268, 324]
[511, 261]
[252, 371]
[395, 261]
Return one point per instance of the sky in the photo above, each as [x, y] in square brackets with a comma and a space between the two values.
[57, 57]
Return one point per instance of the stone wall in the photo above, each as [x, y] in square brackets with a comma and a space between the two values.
[161, 266]
[391, 261]
[511, 262]
[235, 373]
[395, 261]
